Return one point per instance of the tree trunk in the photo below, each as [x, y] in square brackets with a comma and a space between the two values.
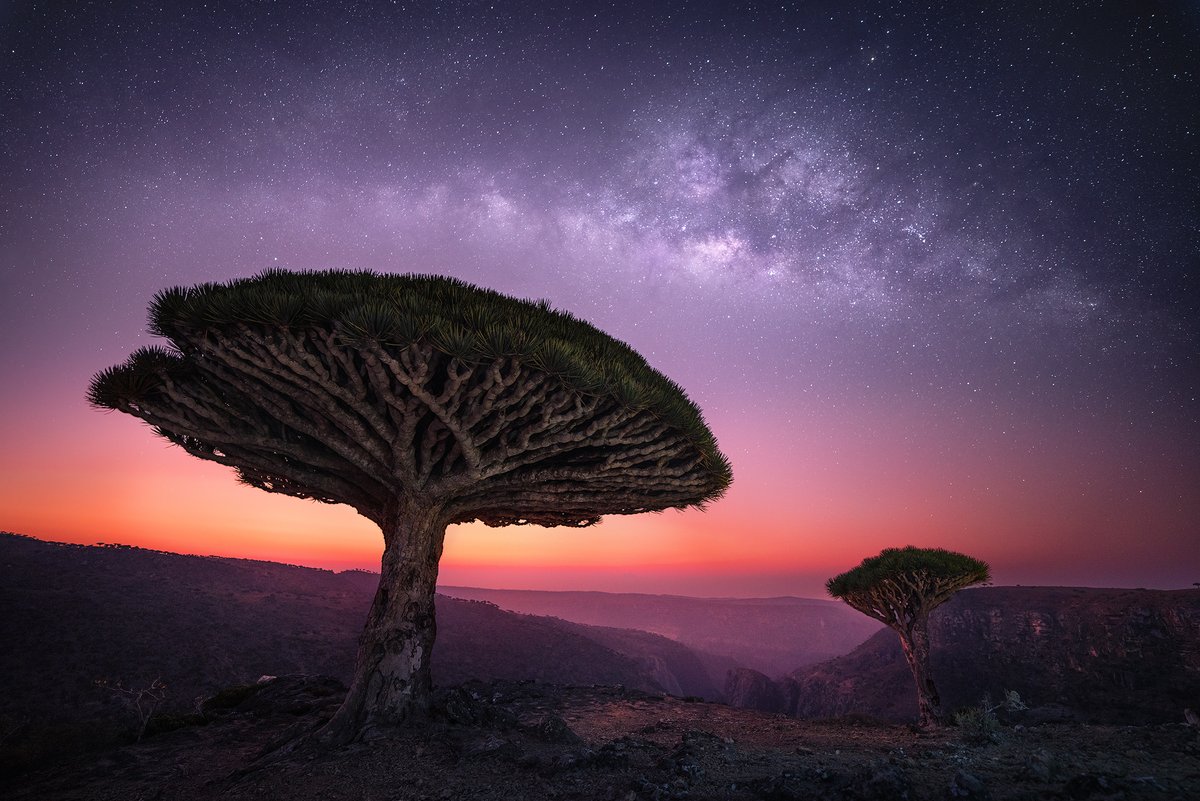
[915, 642]
[392, 681]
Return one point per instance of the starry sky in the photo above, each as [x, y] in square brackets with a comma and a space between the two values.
[930, 269]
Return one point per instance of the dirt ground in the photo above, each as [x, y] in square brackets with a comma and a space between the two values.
[513, 741]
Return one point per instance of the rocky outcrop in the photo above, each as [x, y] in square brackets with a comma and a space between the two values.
[1115, 655]
[750, 689]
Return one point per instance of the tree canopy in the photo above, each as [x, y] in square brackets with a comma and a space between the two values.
[900, 583]
[343, 386]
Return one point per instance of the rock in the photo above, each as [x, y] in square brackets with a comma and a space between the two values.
[1041, 765]
[662, 791]
[781, 788]
[553, 729]
[967, 785]
[486, 746]
[1094, 787]
[466, 708]
[567, 760]
[284, 695]
[750, 689]
[614, 755]
[882, 783]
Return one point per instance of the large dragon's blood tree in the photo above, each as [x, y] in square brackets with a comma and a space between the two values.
[420, 401]
[900, 587]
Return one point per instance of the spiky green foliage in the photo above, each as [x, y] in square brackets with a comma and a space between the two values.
[457, 318]
[260, 370]
[901, 583]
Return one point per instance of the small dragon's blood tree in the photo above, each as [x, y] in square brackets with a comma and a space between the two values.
[900, 587]
[420, 401]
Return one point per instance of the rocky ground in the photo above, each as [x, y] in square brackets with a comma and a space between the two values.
[516, 741]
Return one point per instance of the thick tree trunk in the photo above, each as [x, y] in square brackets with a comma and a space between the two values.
[915, 642]
[392, 681]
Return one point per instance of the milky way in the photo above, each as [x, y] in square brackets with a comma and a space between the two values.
[930, 269]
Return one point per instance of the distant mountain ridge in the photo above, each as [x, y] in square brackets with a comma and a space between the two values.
[771, 635]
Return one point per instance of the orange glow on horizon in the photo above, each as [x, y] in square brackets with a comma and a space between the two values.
[788, 521]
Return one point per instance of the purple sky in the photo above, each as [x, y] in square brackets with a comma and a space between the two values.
[930, 269]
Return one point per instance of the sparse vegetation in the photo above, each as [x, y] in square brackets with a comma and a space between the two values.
[900, 587]
[980, 725]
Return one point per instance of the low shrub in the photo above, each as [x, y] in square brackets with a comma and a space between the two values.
[979, 725]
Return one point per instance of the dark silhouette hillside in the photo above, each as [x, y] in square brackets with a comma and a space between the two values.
[71, 615]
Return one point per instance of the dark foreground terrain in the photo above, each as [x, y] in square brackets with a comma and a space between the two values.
[558, 710]
[515, 741]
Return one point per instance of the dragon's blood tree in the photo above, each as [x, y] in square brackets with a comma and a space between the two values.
[420, 401]
[900, 587]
